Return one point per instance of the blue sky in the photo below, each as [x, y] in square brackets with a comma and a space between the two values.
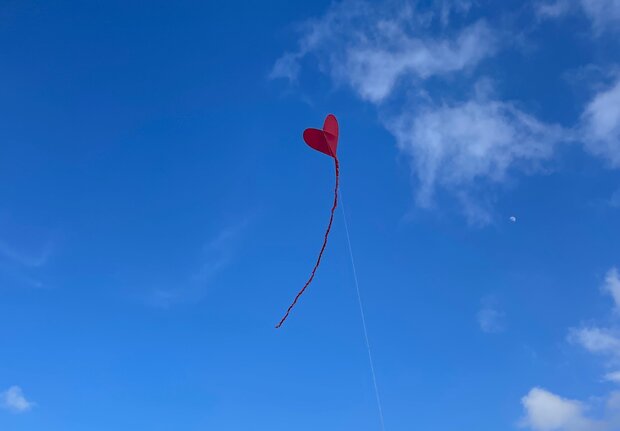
[159, 210]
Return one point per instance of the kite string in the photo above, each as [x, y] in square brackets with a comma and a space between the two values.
[361, 306]
[318, 261]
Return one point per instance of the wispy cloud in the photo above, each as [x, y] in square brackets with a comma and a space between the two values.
[370, 47]
[457, 146]
[613, 377]
[215, 256]
[604, 15]
[448, 8]
[218, 252]
[32, 259]
[13, 399]
[490, 318]
[385, 52]
[604, 341]
[553, 9]
[25, 251]
[611, 286]
[600, 128]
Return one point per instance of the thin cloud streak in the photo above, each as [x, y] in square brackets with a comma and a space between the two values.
[216, 255]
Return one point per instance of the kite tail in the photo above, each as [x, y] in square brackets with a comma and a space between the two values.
[318, 261]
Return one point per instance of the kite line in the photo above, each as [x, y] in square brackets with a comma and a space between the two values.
[363, 316]
[318, 261]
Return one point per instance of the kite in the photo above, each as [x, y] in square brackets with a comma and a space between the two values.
[326, 141]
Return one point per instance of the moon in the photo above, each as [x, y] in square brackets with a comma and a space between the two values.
[513, 219]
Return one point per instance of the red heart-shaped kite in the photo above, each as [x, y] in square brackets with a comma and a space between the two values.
[326, 140]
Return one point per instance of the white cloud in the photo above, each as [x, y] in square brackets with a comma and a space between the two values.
[602, 341]
[13, 399]
[374, 69]
[604, 14]
[458, 146]
[370, 47]
[613, 377]
[601, 125]
[545, 411]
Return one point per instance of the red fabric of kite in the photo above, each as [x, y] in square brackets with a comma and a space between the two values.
[325, 141]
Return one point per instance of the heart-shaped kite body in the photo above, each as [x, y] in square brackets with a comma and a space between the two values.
[325, 140]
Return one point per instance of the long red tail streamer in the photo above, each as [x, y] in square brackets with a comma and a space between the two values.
[318, 261]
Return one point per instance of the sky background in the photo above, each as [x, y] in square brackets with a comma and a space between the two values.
[159, 211]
